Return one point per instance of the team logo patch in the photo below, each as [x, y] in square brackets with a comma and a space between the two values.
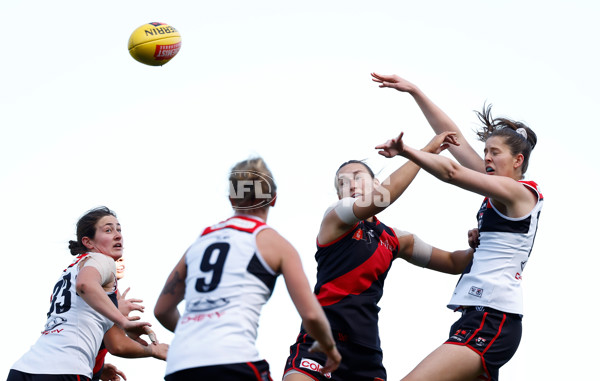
[358, 235]
[461, 335]
[313, 366]
[476, 291]
[480, 341]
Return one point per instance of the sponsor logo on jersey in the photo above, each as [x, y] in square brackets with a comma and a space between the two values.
[476, 291]
[313, 366]
[57, 330]
[200, 317]
[50, 325]
[207, 304]
[518, 276]
[384, 241]
[342, 337]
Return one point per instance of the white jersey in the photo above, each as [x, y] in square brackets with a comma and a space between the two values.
[494, 277]
[73, 332]
[226, 286]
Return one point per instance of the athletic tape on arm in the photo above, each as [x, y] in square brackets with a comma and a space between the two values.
[421, 254]
[344, 208]
[104, 264]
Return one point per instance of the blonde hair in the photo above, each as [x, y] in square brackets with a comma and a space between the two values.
[251, 184]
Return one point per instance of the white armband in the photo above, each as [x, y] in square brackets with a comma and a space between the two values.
[421, 254]
[344, 208]
[104, 264]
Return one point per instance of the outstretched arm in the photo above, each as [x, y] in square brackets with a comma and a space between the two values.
[119, 344]
[437, 118]
[385, 193]
[282, 257]
[89, 287]
[419, 253]
[505, 190]
[166, 311]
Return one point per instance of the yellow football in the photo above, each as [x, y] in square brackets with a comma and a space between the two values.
[154, 43]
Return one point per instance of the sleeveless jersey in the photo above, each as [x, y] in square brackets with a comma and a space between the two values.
[73, 332]
[350, 274]
[493, 279]
[227, 284]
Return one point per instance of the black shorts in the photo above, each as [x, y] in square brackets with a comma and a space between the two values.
[17, 375]
[244, 371]
[359, 363]
[493, 334]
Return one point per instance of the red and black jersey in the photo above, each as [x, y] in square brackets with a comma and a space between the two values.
[350, 274]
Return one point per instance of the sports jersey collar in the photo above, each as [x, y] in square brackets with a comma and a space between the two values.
[247, 216]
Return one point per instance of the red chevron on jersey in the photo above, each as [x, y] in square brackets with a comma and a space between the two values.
[359, 279]
[241, 223]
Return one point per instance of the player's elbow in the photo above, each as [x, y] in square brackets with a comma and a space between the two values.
[166, 317]
[82, 287]
[311, 318]
[160, 314]
[450, 173]
[118, 347]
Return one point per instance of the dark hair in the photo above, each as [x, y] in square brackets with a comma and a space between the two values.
[86, 227]
[352, 162]
[507, 129]
[254, 172]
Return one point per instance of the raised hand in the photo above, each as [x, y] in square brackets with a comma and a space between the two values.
[441, 142]
[126, 306]
[393, 82]
[392, 147]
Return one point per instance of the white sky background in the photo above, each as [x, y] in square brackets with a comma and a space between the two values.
[83, 124]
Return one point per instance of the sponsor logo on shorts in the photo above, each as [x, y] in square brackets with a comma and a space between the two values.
[480, 341]
[313, 366]
[476, 291]
[460, 335]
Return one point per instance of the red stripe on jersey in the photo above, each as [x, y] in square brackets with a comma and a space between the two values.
[337, 239]
[100, 360]
[241, 223]
[352, 283]
[533, 185]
